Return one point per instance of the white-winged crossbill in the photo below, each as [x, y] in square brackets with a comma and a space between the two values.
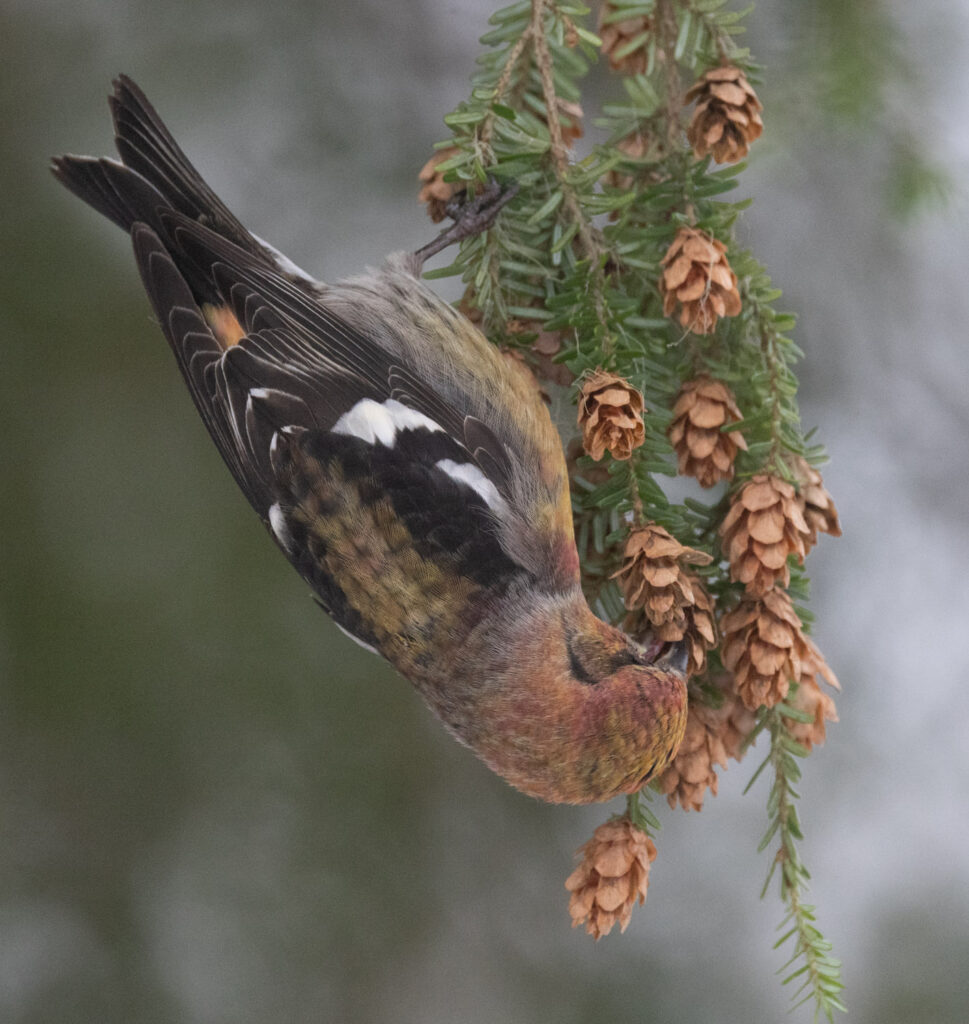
[413, 479]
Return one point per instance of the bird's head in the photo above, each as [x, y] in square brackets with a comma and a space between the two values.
[630, 713]
[584, 713]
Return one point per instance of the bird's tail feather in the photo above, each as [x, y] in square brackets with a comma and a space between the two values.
[153, 174]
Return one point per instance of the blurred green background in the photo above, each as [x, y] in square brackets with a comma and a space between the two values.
[213, 807]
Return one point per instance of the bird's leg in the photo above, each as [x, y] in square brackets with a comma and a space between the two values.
[470, 216]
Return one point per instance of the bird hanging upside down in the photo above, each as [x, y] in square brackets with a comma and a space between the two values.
[411, 476]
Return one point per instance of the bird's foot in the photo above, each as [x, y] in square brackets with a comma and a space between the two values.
[470, 216]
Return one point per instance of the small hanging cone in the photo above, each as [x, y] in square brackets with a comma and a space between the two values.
[703, 448]
[698, 281]
[672, 600]
[637, 147]
[713, 734]
[700, 633]
[764, 648]
[811, 699]
[610, 415]
[740, 723]
[695, 625]
[691, 772]
[544, 347]
[570, 121]
[612, 876]
[435, 191]
[819, 512]
[651, 573]
[763, 527]
[727, 115]
[617, 34]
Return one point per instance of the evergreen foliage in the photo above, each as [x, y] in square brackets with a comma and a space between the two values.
[578, 254]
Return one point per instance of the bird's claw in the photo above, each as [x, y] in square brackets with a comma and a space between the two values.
[470, 216]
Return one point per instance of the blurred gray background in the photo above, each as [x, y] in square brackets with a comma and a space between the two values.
[213, 807]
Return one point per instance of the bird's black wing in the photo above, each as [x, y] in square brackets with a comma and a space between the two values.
[369, 479]
[373, 492]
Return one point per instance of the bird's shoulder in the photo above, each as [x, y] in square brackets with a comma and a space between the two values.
[505, 424]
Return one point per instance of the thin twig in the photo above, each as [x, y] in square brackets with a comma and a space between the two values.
[588, 237]
[501, 87]
[666, 24]
[558, 149]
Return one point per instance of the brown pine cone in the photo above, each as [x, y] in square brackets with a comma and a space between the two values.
[727, 115]
[764, 647]
[815, 702]
[703, 448]
[812, 699]
[762, 528]
[435, 191]
[691, 772]
[673, 601]
[612, 877]
[570, 121]
[712, 735]
[636, 146]
[618, 33]
[610, 415]
[545, 347]
[697, 278]
[740, 723]
[819, 512]
[700, 633]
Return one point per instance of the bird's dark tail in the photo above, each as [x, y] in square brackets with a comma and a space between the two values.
[153, 175]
